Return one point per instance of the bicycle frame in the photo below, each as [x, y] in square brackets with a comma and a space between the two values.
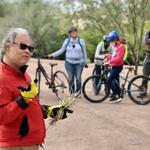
[49, 80]
[55, 80]
[122, 88]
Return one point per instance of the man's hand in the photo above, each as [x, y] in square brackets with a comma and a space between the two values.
[54, 111]
[30, 92]
[106, 62]
[106, 55]
[50, 56]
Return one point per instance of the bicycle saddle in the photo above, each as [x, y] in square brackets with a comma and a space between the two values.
[52, 64]
[130, 68]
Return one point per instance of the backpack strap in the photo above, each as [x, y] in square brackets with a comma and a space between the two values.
[68, 41]
[78, 41]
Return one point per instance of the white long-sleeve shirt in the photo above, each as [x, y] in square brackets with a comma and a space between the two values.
[100, 53]
[74, 52]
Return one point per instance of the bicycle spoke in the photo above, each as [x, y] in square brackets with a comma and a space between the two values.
[98, 92]
[61, 84]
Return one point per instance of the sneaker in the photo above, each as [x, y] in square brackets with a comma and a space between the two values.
[111, 95]
[115, 99]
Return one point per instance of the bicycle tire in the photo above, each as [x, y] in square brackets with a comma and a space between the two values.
[94, 71]
[38, 77]
[61, 83]
[94, 96]
[135, 89]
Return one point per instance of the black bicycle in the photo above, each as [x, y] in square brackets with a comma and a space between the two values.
[57, 81]
[100, 92]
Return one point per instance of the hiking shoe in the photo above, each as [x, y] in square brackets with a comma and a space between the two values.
[111, 95]
[115, 99]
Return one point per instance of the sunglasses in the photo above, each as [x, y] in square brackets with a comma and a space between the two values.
[24, 46]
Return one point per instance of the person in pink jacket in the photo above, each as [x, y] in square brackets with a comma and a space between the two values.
[116, 62]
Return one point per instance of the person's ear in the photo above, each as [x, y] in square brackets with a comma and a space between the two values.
[7, 47]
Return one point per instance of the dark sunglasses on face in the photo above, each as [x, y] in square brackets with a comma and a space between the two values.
[24, 46]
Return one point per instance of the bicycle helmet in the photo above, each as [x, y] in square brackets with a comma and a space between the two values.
[71, 29]
[105, 38]
[114, 35]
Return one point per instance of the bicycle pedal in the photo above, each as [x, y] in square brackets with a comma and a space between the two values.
[46, 83]
[55, 90]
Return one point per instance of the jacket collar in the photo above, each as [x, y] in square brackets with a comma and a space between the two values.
[21, 70]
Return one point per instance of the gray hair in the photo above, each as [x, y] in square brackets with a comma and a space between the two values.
[10, 37]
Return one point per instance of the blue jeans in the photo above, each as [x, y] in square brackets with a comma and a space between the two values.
[74, 72]
[114, 75]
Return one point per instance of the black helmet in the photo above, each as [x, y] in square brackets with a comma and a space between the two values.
[71, 29]
[105, 38]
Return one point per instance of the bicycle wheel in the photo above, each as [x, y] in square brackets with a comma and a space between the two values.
[38, 77]
[61, 84]
[94, 91]
[94, 71]
[135, 90]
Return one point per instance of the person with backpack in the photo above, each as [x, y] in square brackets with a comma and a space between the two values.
[75, 59]
[102, 50]
[116, 62]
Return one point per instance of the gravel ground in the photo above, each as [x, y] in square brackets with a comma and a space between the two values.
[102, 126]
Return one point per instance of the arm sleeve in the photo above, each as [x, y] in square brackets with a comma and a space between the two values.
[84, 50]
[9, 112]
[9, 109]
[97, 53]
[119, 55]
[147, 38]
[61, 50]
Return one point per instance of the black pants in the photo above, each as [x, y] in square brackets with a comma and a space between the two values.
[114, 75]
[146, 70]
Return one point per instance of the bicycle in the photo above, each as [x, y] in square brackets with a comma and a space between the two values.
[100, 90]
[57, 81]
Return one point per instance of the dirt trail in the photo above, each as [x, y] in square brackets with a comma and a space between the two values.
[102, 126]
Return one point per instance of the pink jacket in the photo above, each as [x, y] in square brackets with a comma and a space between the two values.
[116, 59]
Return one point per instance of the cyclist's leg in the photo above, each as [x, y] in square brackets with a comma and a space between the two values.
[98, 72]
[78, 72]
[146, 72]
[70, 68]
[114, 75]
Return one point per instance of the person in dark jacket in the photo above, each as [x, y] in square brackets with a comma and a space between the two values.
[146, 64]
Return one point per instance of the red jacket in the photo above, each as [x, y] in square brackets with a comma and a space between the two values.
[11, 114]
[116, 59]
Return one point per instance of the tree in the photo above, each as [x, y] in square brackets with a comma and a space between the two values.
[127, 17]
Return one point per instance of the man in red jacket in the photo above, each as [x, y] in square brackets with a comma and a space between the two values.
[21, 116]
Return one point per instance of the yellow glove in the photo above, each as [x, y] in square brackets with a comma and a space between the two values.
[53, 111]
[30, 92]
